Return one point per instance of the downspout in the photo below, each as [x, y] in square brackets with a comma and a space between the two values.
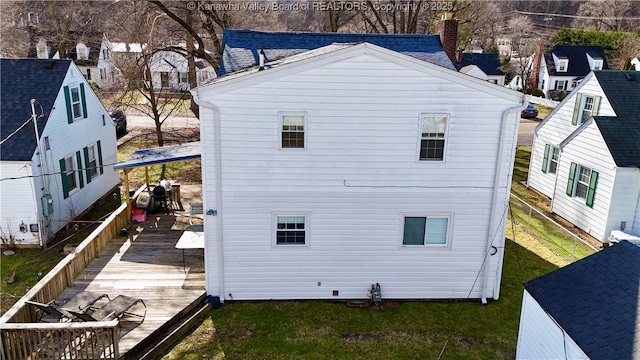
[218, 171]
[494, 201]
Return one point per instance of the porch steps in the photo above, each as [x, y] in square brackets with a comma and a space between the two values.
[161, 340]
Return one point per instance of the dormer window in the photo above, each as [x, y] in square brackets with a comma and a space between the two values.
[42, 49]
[597, 65]
[562, 65]
[82, 51]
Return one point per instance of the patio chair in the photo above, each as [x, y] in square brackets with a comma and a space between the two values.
[51, 310]
[195, 208]
[114, 309]
[84, 301]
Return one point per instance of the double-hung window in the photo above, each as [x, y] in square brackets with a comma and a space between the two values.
[585, 107]
[582, 183]
[292, 130]
[433, 136]
[561, 85]
[291, 230]
[551, 157]
[430, 231]
[76, 106]
[70, 173]
[92, 161]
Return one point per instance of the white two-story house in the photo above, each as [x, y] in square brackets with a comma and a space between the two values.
[55, 173]
[586, 155]
[562, 68]
[347, 165]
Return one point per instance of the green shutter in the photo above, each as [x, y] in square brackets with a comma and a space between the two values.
[87, 164]
[79, 161]
[596, 105]
[84, 101]
[545, 160]
[593, 182]
[65, 181]
[100, 157]
[67, 101]
[572, 177]
[576, 109]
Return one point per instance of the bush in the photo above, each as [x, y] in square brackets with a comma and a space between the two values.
[537, 92]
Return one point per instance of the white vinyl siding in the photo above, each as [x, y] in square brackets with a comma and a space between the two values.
[358, 172]
[16, 201]
[540, 337]
[554, 130]
[625, 201]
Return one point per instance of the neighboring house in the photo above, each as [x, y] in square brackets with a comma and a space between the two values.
[351, 164]
[585, 310]
[562, 68]
[586, 154]
[90, 51]
[170, 70]
[42, 191]
[242, 48]
[483, 66]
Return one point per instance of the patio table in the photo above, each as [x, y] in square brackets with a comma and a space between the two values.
[191, 238]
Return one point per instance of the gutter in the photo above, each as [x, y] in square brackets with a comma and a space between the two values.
[494, 201]
[218, 187]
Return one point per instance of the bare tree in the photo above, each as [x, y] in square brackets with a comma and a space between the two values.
[520, 30]
[479, 21]
[399, 16]
[607, 15]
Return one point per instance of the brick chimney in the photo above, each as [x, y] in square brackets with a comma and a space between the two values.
[448, 30]
[535, 70]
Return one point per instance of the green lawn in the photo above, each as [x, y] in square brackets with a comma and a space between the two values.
[328, 330]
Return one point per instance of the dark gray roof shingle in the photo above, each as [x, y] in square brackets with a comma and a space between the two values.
[240, 47]
[621, 132]
[20, 81]
[577, 56]
[92, 39]
[488, 63]
[595, 300]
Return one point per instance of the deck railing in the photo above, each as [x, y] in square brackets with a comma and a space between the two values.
[72, 340]
[63, 274]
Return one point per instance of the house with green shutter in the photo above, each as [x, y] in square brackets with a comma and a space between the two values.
[57, 149]
[586, 155]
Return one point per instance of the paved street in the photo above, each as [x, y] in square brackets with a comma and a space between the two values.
[525, 133]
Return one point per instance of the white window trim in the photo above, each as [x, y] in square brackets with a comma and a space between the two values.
[96, 170]
[447, 245]
[281, 116]
[597, 64]
[446, 138]
[577, 181]
[74, 171]
[561, 63]
[564, 86]
[583, 103]
[274, 229]
[79, 102]
[550, 159]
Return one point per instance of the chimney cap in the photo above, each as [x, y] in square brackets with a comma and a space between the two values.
[447, 16]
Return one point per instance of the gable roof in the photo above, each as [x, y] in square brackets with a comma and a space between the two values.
[92, 39]
[241, 47]
[621, 132]
[577, 56]
[20, 81]
[488, 63]
[595, 300]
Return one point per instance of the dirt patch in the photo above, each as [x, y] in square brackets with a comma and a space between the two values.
[468, 342]
[358, 336]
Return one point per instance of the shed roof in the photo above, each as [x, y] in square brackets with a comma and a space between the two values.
[241, 47]
[159, 155]
[596, 301]
[20, 81]
[488, 63]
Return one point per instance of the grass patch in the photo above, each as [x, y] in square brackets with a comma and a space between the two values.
[413, 330]
[543, 111]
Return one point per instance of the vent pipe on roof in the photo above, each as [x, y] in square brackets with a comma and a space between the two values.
[261, 59]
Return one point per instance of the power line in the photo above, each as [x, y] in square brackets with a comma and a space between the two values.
[578, 16]
[16, 131]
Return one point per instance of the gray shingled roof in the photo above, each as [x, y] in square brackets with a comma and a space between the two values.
[621, 132]
[20, 81]
[92, 39]
[241, 47]
[577, 55]
[596, 301]
[488, 63]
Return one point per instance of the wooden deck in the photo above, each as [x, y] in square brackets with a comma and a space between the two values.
[145, 265]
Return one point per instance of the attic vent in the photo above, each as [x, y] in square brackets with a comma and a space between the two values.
[630, 76]
[49, 64]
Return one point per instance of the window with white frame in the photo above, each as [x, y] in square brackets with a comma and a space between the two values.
[582, 183]
[433, 135]
[426, 231]
[551, 157]
[587, 108]
[562, 65]
[292, 128]
[291, 230]
[561, 85]
[92, 162]
[597, 65]
[70, 173]
[76, 105]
